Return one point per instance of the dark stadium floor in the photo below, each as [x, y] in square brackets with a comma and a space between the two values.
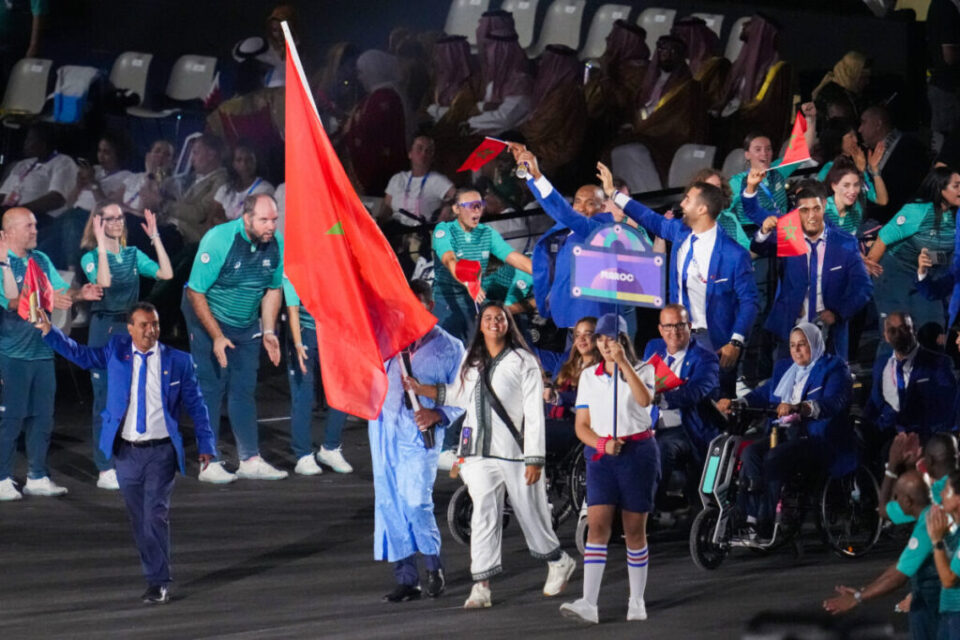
[292, 559]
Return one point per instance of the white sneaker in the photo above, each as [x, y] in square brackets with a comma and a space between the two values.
[108, 480]
[334, 459]
[307, 466]
[447, 459]
[256, 468]
[636, 609]
[580, 610]
[43, 487]
[479, 597]
[8, 491]
[214, 473]
[558, 573]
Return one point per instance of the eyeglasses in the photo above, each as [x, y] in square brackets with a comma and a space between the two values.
[475, 205]
[113, 219]
[678, 327]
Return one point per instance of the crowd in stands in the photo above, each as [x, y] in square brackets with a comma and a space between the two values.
[878, 215]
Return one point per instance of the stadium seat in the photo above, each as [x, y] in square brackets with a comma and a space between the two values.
[600, 28]
[27, 87]
[524, 18]
[714, 21]
[561, 26]
[129, 73]
[633, 164]
[734, 43]
[190, 79]
[689, 159]
[463, 17]
[733, 163]
[656, 22]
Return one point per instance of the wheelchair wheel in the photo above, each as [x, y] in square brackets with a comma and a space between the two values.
[577, 484]
[459, 512]
[582, 530]
[559, 494]
[706, 555]
[849, 518]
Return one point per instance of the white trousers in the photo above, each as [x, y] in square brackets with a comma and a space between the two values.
[488, 480]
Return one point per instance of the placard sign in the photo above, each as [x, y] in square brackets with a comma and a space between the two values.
[617, 265]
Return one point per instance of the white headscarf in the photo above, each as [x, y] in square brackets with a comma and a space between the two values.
[796, 375]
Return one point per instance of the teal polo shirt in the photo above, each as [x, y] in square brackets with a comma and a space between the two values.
[18, 338]
[234, 273]
[126, 267]
[508, 285]
[477, 245]
[293, 300]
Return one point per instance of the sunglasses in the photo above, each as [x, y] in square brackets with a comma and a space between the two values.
[474, 205]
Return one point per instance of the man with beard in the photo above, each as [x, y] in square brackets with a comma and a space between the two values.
[230, 303]
[914, 389]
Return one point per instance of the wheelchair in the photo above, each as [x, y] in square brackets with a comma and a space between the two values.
[844, 500]
[564, 474]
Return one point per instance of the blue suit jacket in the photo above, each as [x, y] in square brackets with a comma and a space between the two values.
[846, 285]
[732, 299]
[929, 403]
[700, 372]
[553, 259]
[179, 388]
[830, 387]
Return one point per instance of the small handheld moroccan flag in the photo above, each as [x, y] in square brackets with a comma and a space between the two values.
[37, 292]
[797, 149]
[664, 378]
[489, 149]
[468, 272]
[790, 236]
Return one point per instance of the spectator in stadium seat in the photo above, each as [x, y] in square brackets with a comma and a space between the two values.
[376, 133]
[758, 92]
[41, 181]
[670, 110]
[456, 93]
[507, 86]
[927, 224]
[194, 209]
[420, 192]
[335, 86]
[243, 181]
[493, 21]
[613, 83]
[914, 389]
[840, 93]
[558, 119]
[828, 294]
[903, 163]
[704, 56]
[147, 190]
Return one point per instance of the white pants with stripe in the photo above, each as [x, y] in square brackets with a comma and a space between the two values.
[488, 480]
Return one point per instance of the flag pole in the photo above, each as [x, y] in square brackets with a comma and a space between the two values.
[288, 36]
[616, 373]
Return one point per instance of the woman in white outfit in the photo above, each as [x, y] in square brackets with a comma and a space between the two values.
[503, 445]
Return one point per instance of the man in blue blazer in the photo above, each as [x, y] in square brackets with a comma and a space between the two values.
[710, 274]
[914, 389]
[147, 384]
[553, 253]
[683, 431]
[841, 285]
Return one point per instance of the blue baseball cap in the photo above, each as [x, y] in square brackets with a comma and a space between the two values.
[611, 325]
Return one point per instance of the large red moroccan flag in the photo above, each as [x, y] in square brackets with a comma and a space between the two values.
[790, 240]
[342, 267]
[797, 149]
[36, 293]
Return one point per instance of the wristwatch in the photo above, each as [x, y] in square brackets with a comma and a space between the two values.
[940, 545]
[737, 343]
[858, 596]
[4, 264]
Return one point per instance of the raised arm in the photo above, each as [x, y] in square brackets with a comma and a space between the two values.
[163, 260]
[644, 216]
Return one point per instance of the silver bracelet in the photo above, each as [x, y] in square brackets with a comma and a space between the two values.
[154, 236]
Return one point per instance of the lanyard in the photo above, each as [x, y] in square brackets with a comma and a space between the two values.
[767, 191]
[238, 208]
[406, 193]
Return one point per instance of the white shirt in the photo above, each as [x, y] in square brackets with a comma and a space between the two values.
[232, 200]
[419, 195]
[31, 179]
[513, 110]
[697, 274]
[670, 418]
[110, 183]
[890, 395]
[595, 392]
[280, 195]
[656, 94]
[156, 424]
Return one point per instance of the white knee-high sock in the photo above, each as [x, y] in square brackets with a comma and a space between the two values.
[637, 560]
[594, 562]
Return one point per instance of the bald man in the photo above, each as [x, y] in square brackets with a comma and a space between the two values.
[26, 363]
[910, 504]
[553, 254]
